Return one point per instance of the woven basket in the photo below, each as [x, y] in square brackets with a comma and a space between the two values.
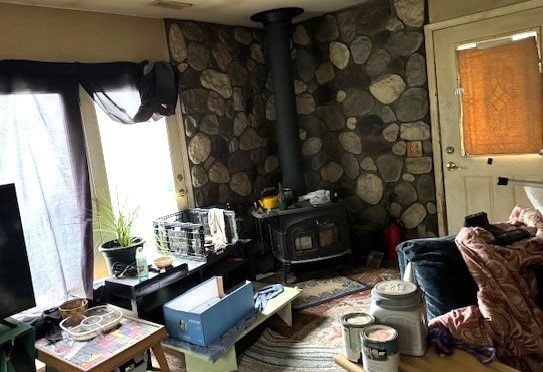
[73, 307]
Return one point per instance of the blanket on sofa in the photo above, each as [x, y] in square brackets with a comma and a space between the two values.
[506, 315]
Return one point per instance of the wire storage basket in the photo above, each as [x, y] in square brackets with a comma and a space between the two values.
[182, 234]
[200, 215]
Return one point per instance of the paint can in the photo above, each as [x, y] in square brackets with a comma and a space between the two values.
[400, 305]
[352, 325]
[380, 350]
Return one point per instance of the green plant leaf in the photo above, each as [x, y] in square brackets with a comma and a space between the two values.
[116, 222]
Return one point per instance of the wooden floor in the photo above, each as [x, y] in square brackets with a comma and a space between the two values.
[430, 362]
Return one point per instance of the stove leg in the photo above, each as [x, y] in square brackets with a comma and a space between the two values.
[286, 270]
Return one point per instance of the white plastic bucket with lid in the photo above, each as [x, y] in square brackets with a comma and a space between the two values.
[400, 304]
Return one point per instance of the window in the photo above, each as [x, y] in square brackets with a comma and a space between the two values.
[501, 96]
[136, 170]
[51, 150]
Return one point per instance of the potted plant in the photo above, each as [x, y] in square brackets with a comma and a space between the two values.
[116, 227]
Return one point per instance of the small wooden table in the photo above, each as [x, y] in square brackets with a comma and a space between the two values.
[280, 305]
[431, 361]
[108, 351]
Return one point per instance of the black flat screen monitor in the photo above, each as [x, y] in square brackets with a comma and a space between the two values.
[16, 291]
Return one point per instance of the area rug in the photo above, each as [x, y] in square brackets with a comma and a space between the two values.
[320, 325]
[315, 328]
[273, 352]
[321, 290]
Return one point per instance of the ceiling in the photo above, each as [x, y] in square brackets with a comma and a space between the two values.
[227, 12]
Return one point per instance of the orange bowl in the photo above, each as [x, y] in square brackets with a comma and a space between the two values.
[163, 262]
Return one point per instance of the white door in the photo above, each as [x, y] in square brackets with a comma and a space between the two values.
[469, 182]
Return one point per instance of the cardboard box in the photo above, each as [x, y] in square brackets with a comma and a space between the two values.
[202, 314]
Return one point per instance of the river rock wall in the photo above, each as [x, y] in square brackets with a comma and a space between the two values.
[362, 102]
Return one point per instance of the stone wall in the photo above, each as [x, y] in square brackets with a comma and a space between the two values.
[231, 145]
[362, 100]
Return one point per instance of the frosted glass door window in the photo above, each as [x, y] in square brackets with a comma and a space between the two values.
[501, 95]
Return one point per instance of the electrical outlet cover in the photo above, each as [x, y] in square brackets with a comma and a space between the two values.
[414, 148]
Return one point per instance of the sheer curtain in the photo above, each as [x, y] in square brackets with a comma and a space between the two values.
[156, 83]
[43, 153]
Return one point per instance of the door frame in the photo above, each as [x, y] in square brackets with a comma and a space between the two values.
[180, 159]
[433, 91]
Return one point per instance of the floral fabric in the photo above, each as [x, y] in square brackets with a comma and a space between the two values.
[506, 316]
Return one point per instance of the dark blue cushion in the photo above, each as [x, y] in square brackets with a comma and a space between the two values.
[441, 273]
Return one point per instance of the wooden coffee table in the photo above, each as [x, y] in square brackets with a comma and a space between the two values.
[108, 351]
[431, 361]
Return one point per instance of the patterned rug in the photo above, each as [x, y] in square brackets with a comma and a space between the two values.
[325, 289]
[315, 329]
[320, 325]
[273, 352]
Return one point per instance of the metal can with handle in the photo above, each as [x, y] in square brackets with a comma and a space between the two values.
[380, 350]
[352, 325]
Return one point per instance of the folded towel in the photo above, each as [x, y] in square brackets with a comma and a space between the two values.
[215, 219]
[264, 294]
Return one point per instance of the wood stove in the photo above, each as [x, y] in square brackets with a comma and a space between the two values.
[306, 233]
[309, 234]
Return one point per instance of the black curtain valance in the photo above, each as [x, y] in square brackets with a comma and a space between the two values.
[156, 82]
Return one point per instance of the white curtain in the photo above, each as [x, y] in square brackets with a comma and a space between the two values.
[42, 151]
[35, 155]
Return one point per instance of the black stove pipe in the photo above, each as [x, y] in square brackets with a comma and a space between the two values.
[277, 30]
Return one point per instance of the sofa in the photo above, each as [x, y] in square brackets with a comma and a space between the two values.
[484, 293]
